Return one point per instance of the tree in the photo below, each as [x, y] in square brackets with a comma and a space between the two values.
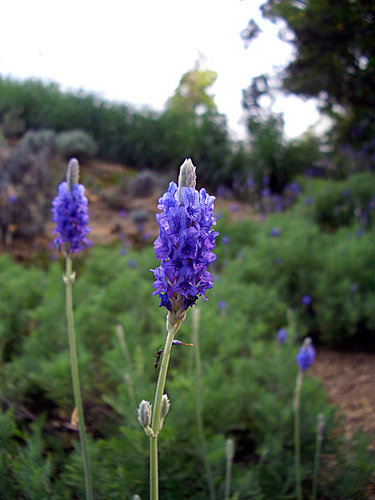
[335, 50]
[191, 95]
[334, 42]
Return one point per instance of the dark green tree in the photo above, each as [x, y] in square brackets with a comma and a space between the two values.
[334, 42]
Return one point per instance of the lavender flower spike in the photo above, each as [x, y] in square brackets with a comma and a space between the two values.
[184, 244]
[306, 355]
[70, 213]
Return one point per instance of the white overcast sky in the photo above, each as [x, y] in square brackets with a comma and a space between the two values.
[137, 50]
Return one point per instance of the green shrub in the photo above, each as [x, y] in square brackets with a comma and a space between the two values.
[248, 382]
[76, 143]
[340, 203]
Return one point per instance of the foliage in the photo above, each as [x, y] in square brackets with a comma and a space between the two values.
[191, 95]
[137, 138]
[340, 203]
[333, 62]
[76, 144]
[25, 191]
[261, 276]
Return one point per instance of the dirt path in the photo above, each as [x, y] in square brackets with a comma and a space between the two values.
[349, 379]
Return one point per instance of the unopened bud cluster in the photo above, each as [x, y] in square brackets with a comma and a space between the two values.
[145, 412]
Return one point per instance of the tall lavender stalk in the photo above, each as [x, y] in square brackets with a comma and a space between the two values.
[184, 247]
[70, 213]
[305, 358]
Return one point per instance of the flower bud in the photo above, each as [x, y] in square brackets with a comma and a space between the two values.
[229, 448]
[187, 176]
[165, 405]
[72, 174]
[144, 413]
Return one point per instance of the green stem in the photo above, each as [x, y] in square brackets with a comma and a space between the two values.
[155, 424]
[318, 448]
[199, 405]
[297, 433]
[69, 278]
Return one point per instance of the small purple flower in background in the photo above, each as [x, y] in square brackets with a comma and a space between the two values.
[306, 300]
[185, 243]
[275, 232]
[278, 261]
[281, 335]
[354, 288]
[70, 213]
[225, 240]
[309, 200]
[132, 264]
[12, 198]
[222, 305]
[306, 355]
[122, 213]
[294, 187]
[234, 207]
[360, 232]
[250, 182]
[372, 203]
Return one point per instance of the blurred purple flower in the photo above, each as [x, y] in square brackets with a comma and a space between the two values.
[309, 200]
[278, 261]
[281, 335]
[306, 355]
[275, 232]
[354, 288]
[12, 198]
[221, 305]
[225, 240]
[70, 213]
[234, 207]
[122, 213]
[306, 300]
[132, 263]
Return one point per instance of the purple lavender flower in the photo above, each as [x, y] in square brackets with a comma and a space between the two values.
[306, 300]
[12, 198]
[306, 355]
[70, 213]
[222, 305]
[281, 335]
[225, 240]
[184, 244]
[275, 232]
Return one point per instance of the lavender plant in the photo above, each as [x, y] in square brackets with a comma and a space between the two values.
[184, 246]
[70, 213]
[304, 358]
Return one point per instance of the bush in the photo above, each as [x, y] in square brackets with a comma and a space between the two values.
[25, 193]
[340, 203]
[76, 144]
[144, 184]
[248, 382]
[38, 140]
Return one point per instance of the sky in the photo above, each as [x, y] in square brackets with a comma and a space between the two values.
[135, 51]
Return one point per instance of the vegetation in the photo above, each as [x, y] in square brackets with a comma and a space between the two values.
[261, 277]
[303, 267]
